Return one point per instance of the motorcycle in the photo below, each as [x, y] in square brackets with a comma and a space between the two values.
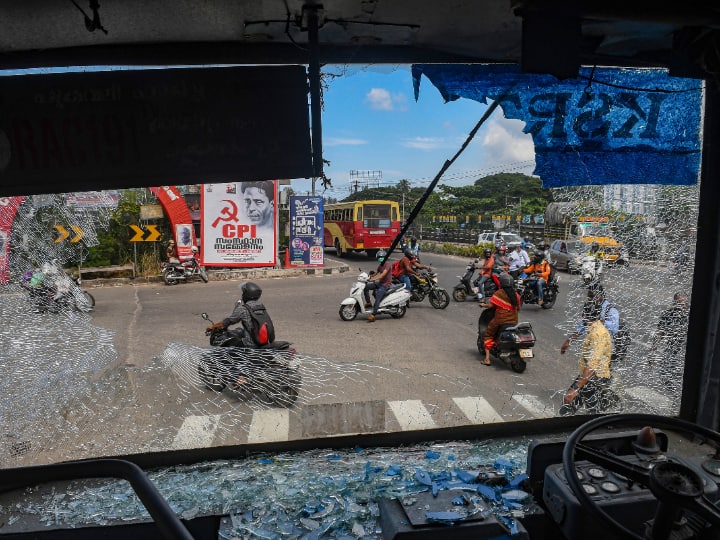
[528, 291]
[514, 344]
[427, 285]
[55, 292]
[393, 303]
[269, 373]
[173, 273]
[590, 269]
[466, 288]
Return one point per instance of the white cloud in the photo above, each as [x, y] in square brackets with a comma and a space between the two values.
[343, 141]
[506, 143]
[381, 99]
[424, 143]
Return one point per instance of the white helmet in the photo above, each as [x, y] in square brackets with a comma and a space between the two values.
[194, 249]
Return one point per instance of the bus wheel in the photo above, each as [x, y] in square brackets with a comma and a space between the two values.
[338, 250]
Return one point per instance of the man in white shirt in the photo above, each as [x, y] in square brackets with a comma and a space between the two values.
[519, 259]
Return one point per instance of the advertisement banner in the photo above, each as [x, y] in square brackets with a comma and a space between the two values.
[306, 230]
[8, 208]
[179, 215]
[238, 224]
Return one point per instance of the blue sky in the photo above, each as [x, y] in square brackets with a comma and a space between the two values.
[371, 122]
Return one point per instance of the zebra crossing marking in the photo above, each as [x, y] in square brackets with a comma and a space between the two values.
[196, 432]
[478, 410]
[269, 425]
[534, 405]
[650, 396]
[411, 414]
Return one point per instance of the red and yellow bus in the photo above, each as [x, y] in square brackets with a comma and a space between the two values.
[361, 226]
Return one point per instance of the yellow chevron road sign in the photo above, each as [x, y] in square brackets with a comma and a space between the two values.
[64, 234]
[153, 233]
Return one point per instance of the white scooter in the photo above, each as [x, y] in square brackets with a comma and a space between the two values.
[393, 303]
[590, 269]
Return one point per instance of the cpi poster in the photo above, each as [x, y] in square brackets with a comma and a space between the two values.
[306, 230]
[238, 224]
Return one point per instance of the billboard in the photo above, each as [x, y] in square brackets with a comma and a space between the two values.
[306, 230]
[238, 224]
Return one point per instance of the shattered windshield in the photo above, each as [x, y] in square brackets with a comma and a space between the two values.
[122, 361]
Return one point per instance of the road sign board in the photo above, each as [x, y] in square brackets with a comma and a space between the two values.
[152, 236]
[64, 234]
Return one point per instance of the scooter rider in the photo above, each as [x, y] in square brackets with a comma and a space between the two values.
[486, 271]
[242, 313]
[380, 282]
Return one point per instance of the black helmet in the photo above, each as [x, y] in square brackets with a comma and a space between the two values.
[539, 256]
[381, 255]
[408, 254]
[595, 246]
[250, 291]
[487, 252]
[506, 280]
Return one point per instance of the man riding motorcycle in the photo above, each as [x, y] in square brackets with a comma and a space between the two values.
[539, 273]
[247, 311]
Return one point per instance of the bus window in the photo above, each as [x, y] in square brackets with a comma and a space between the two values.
[359, 213]
[377, 216]
[394, 214]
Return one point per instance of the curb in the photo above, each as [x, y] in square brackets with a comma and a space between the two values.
[227, 274]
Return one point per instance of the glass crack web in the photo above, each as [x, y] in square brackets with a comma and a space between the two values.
[661, 245]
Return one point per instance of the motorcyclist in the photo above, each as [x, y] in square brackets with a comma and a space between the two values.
[248, 304]
[502, 263]
[539, 273]
[506, 302]
[172, 253]
[406, 269]
[486, 270]
[518, 260]
[414, 246]
[380, 282]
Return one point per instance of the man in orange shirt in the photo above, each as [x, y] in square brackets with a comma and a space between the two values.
[539, 272]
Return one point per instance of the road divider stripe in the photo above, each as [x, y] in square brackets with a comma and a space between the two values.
[270, 425]
[534, 406]
[196, 432]
[477, 410]
[411, 415]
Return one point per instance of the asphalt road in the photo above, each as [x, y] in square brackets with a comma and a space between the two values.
[420, 371]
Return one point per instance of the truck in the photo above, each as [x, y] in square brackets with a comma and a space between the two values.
[564, 221]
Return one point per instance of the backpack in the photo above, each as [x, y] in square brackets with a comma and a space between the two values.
[263, 330]
[396, 269]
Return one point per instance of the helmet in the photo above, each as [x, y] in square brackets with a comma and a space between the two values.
[595, 246]
[408, 254]
[381, 255]
[250, 291]
[539, 256]
[542, 245]
[171, 241]
[506, 280]
[502, 249]
[194, 249]
[487, 252]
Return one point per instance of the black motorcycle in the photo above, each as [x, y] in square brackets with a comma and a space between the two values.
[426, 285]
[528, 290]
[58, 294]
[514, 344]
[268, 374]
[466, 288]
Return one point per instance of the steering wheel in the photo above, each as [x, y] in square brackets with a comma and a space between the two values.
[675, 485]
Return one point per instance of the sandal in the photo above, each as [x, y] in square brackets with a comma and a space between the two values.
[484, 363]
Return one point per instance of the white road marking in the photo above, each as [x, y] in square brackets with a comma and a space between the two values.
[534, 406]
[269, 425]
[650, 396]
[411, 415]
[196, 432]
[478, 410]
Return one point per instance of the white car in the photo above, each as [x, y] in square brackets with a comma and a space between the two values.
[509, 239]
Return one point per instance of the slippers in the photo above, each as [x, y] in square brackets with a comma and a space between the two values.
[486, 363]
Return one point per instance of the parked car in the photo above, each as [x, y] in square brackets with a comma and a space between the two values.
[567, 254]
[509, 239]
